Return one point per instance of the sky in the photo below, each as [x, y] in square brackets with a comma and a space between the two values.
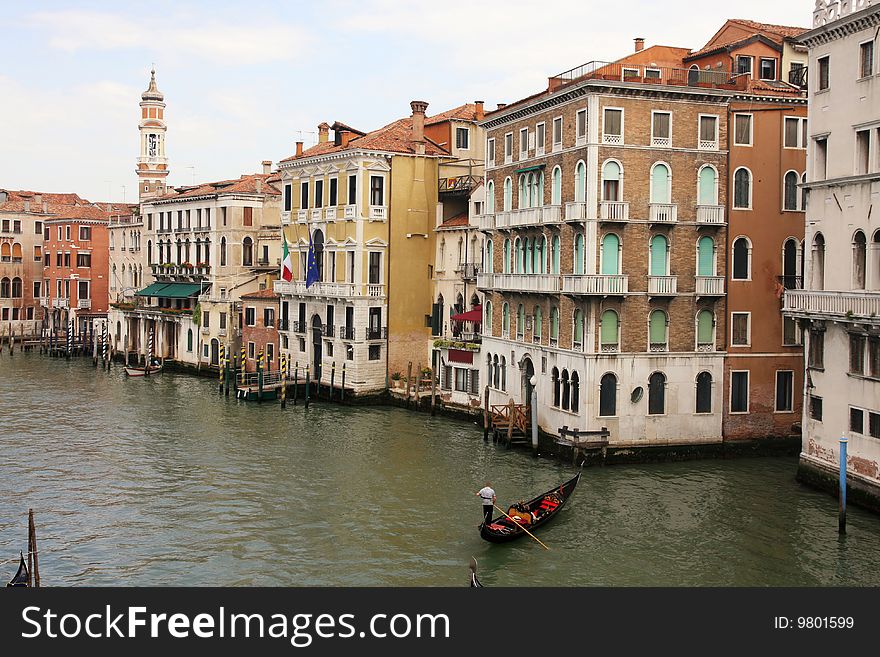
[243, 81]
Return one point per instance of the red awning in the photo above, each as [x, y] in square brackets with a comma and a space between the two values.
[460, 356]
[475, 315]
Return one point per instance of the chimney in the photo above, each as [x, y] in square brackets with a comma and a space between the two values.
[418, 125]
[323, 132]
[45, 207]
[501, 106]
[267, 167]
[38, 198]
[259, 182]
[640, 44]
[299, 149]
[27, 204]
[480, 112]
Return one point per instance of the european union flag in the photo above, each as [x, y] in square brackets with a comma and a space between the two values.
[312, 275]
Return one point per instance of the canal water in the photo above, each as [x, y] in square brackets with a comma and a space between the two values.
[162, 481]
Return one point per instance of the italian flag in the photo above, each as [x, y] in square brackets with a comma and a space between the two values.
[286, 262]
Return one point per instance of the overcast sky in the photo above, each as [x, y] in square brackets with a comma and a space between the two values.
[244, 80]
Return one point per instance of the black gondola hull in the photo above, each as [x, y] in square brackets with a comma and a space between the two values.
[502, 530]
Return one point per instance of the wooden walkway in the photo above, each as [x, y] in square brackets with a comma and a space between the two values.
[511, 423]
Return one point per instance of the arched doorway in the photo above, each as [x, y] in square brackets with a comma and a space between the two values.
[790, 265]
[215, 351]
[317, 342]
[528, 371]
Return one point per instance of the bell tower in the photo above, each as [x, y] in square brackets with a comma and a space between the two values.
[152, 165]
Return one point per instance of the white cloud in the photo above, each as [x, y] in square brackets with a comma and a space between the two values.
[225, 43]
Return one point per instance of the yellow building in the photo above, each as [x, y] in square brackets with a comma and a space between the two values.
[368, 202]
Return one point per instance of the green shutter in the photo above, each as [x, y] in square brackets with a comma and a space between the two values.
[578, 326]
[704, 327]
[554, 323]
[609, 327]
[658, 327]
[610, 254]
[660, 184]
[579, 254]
[658, 256]
[705, 257]
[539, 321]
[555, 259]
[707, 186]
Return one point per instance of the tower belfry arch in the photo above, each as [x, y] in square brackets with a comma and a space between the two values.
[152, 163]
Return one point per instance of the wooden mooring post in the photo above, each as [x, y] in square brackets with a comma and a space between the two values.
[511, 409]
[33, 557]
[342, 389]
[486, 421]
[308, 374]
[283, 381]
[295, 380]
[433, 391]
[332, 379]
[408, 381]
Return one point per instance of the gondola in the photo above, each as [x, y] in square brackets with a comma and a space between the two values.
[142, 371]
[533, 513]
[475, 583]
[22, 576]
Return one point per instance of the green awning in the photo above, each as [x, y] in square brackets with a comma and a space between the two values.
[151, 290]
[537, 167]
[178, 290]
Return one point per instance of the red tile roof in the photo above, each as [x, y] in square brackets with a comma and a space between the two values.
[261, 294]
[396, 137]
[466, 112]
[781, 30]
[61, 206]
[749, 29]
[456, 221]
[246, 184]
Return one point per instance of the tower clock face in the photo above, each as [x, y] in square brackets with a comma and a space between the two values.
[152, 145]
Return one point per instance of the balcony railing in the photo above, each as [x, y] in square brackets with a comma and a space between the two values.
[649, 74]
[519, 282]
[206, 330]
[329, 289]
[316, 214]
[662, 285]
[710, 214]
[614, 211]
[458, 185]
[302, 216]
[329, 331]
[298, 326]
[378, 213]
[826, 303]
[658, 347]
[791, 282]
[44, 301]
[346, 333]
[503, 218]
[84, 304]
[469, 271]
[575, 211]
[330, 214]
[60, 303]
[551, 214]
[487, 222]
[603, 284]
[376, 333]
[707, 144]
[709, 286]
[662, 212]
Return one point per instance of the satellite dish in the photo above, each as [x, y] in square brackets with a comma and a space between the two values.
[636, 395]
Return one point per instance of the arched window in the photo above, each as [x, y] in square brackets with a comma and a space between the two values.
[505, 321]
[520, 322]
[818, 262]
[566, 391]
[508, 194]
[580, 182]
[704, 393]
[790, 191]
[16, 288]
[222, 251]
[538, 256]
[659, 256]
[496, 372]
[578, 340]
[518, 262]
[523, 196]
[489, 264]
[186, 251]
[179, 251]
[608, 395]
[149, 252]
[490, 197]
[556, 187]
[118, 330]
[610, 254]
[16, 252]
[860, 251]
[247, 252]
[875, 260]
[705, 331]
[575, 391]
[5, 288]
[804, 191]
[460, 250]
[5, 252]
[707, 186]
[705, 256]
[189, 340]
[554, 326]
[609, 331]
[661, 184]
[790, 264]
[487, 318]
[207, 253]
[554, 377]
[505, 266]
[657, 394]
[579, 254]
[742, 189]
[503, 373]
[611, 177]
[554, 258]
[742, 256]
[112, 240]
[536, 190]
[538, 328]
[658, 334]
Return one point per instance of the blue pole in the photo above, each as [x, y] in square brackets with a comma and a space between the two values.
[841, 514]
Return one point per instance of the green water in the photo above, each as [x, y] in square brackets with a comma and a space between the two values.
[162, 481]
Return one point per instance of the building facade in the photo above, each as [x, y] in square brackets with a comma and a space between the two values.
[605, 259]
[367, 203]
[128, 261]
[259, 331]
[839, 306]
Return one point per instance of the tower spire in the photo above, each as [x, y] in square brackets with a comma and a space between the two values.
[152, 165]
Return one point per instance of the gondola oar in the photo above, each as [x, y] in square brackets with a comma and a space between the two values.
[520, 525]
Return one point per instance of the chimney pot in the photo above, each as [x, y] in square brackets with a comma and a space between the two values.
[267, 166]
[640, 44]
[299, 148]
[502, 105]
[323, 132]
[418, 125]
[481, 113]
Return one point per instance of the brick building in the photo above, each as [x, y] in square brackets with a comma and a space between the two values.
[259, 329]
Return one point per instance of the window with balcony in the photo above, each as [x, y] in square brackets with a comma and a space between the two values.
[661, 184]
[333, 196]
[540, 138]
[823, 80]
[463, 138]
[740, 329]
[707, 186]
[557, 133]
[609, 331]
[612, 126]
[705, 330]
[706, 256]
[708, 137]
[790, 191]
[555, 247]
[657, 394]
[611, 181]
[578, 335]
[742, 189]
[608, 395]
[661, 129]
[377, 190]
[739, 392]
[703, 399]
[768, 68]
[658, 255]
[556, 186]
[579, 259]
[742, 129]
[610, 255]
[288, 197]
[859, 260]
[508, 194]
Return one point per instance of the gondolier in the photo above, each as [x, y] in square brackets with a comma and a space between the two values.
[488, 497]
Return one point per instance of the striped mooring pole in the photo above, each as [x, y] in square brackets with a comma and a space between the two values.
[149, 354]
[841, 512]
[104, 346]
[283, 380]
[226, 366]
[220, 365]
[260, 377]
[69, 338]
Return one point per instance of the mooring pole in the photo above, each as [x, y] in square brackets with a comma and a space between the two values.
[260, 378]
[226, 378]
[295, 380]
[841, 513]
[220, 369]
[332, 378]
[308, 372]
[283, 381]
[534, 414]
[486, 415]
[32, 549]
[433, 391]
[342, 389]
[408, 380]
